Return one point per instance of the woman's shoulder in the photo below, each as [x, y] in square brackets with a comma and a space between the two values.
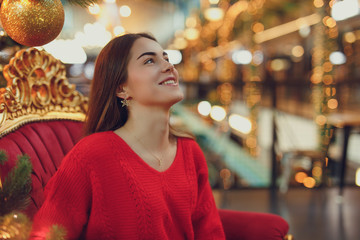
[95, 143]
[98, 140]
[188, 142]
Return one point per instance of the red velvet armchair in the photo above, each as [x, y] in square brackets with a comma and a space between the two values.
[41, 115]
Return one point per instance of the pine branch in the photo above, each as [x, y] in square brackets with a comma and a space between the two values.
[3, 157]
[16, 188]
[56, 233]
[83, 3]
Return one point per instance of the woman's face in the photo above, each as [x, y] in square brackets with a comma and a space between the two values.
[152, 80]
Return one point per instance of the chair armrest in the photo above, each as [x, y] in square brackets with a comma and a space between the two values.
[253, 226]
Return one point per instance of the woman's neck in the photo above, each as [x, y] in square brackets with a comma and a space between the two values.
[151, 125]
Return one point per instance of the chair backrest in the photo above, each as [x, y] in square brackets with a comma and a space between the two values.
[41, 114]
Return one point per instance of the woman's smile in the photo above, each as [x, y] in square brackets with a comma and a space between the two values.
[170, 81]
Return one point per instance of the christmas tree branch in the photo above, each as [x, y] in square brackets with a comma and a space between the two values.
[3, 157]
[14, 194]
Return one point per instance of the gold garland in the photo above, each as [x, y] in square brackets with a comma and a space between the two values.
[322, 78]
[253, 82]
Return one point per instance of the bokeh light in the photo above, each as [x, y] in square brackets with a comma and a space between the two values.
[357, 177]
[297, 51]
[240, 123]
[125, 11]
[218, 113]
[242, 57]
[337, 58]
[300, 176]
[204, 108]
[309, 182]
[94, 9]
[175, 56]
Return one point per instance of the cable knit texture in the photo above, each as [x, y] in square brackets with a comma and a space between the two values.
[104, 190]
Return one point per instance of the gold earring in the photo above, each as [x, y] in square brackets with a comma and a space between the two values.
[125, 102]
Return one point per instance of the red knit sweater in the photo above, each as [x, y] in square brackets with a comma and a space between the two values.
[104, 190]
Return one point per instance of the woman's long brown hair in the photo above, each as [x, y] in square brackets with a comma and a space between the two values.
[105, 112]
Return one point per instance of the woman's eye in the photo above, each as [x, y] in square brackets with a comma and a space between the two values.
[167, 59]
[149, 61]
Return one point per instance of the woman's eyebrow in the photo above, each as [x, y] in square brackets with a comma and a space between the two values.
[151, 53]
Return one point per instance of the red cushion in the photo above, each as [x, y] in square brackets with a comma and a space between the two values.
[46, 143]
[253, 226]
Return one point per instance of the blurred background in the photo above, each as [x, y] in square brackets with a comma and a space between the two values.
[271, 94]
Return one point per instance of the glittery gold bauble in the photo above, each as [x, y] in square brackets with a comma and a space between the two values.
[32, 22]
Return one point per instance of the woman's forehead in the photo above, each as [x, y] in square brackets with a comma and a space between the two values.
[142, 45]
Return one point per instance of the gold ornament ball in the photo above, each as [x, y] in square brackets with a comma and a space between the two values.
[32, 22]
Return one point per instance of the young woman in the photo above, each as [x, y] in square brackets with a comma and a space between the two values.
[133, 176]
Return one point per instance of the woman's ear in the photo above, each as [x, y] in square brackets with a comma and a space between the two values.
[121, 93]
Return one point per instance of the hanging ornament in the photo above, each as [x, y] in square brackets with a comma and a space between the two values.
[32, 22]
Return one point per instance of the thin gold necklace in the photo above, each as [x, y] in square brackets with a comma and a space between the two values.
[146, 149]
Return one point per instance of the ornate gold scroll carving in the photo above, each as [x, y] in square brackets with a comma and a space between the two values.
[37, 89]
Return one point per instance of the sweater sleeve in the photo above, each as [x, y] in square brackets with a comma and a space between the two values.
[67, 200]
[205, 218]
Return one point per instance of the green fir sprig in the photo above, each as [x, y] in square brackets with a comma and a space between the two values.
[14, 194]
[3, 157]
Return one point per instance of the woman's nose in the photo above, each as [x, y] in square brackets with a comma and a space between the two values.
[168, 66]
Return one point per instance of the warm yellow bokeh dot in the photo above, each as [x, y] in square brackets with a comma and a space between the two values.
[318, 3]
[320, 119]
[328, 79]
[332, 103]
[330, 22]
[317, 171]
[330, 91]
[316, 78]
[350, 37]
[297, 51]
[327, 66]
[300, 176]
[258, 27]
[309, 182]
